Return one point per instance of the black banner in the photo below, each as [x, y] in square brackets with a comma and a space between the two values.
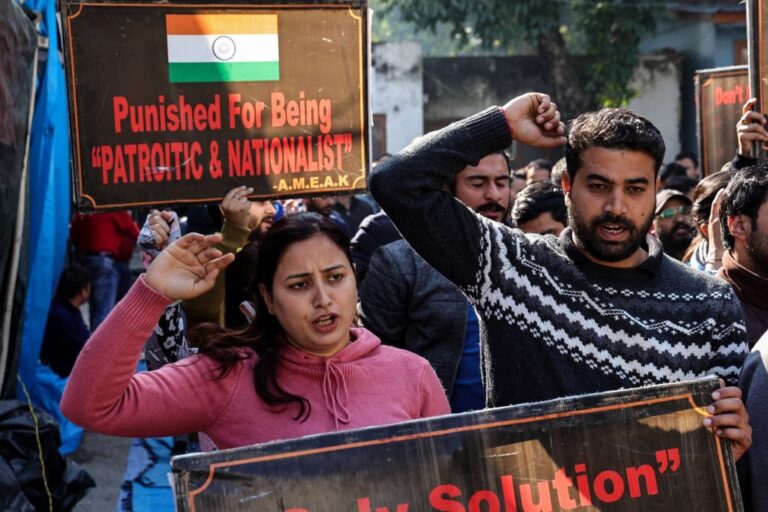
[629, 450]
[179, 103]
[720, 95]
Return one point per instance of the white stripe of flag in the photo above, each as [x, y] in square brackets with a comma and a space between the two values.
[198, 48]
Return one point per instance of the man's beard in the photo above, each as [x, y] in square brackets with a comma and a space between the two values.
[585, 236]
[758, 251]
[673, 243]
[262, 228]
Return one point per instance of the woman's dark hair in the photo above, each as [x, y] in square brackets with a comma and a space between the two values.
[703, 197]
[265, 335]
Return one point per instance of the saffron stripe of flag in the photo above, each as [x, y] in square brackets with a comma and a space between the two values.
[249, 48]
[192, 24]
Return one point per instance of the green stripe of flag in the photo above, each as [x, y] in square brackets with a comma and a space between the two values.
[223, 71]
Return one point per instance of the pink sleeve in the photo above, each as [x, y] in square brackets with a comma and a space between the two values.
[433, 399]
[104, 394]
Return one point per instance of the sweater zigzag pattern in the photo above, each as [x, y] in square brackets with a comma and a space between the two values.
[610, 337]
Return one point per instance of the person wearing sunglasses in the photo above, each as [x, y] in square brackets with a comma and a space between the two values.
[672, 222]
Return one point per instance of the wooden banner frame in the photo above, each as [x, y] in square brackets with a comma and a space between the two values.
[718, 113]
[316, 143]
[498, 459]
[757, 38]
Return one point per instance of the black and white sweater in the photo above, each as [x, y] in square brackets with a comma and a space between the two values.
[554, 323]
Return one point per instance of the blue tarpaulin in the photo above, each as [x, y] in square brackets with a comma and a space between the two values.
[48, 390]
[49, 199]
[146, 485]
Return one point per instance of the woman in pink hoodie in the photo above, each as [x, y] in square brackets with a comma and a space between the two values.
[300, 368]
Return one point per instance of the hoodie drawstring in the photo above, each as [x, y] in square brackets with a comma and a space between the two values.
[335, 392]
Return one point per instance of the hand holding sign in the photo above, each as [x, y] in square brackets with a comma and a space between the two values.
[730, 419]
[535, 120]
[188, 267]
[159, 224]
[715, 248]
[236, 207]
[750, 128]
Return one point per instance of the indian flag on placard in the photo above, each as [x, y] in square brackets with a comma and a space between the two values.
[222, 47]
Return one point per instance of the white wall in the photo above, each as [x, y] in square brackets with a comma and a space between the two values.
[397, 91]
[397, 85]
[657, 84]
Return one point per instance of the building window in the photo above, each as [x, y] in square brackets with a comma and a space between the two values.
[740, 56]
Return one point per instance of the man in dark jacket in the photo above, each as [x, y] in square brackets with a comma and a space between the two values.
[754, 466]
[65, 329]
[410, 305]
[375, 231]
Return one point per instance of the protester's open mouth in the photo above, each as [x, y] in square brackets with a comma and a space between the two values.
[613, 232]
[326, 323]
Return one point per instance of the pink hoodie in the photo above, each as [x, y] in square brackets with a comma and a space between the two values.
[365, 384]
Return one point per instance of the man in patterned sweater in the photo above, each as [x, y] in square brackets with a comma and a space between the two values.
[599, 308]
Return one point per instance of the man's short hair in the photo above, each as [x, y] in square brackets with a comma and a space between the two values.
[538, 198]
[519, 174]
[74, 279]
[744, 195]
[558, 170]
[540, 163]
[682, 183]
[672, 170]
[693, 157]
[506, 158]
[612, 128]
[507, 162]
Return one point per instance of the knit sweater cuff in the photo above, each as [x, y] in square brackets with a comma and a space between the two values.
[233, 237]
[740, 161]
[142, 306]
[489, 130]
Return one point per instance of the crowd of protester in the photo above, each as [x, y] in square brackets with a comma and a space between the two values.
[459, 283]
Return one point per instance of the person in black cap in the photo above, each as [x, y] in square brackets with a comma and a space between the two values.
[672, 222]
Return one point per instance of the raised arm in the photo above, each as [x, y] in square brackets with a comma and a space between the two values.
[209, 307]
[413, 186]
[104, 394]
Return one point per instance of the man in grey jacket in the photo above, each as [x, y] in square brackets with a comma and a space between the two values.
[410, 305]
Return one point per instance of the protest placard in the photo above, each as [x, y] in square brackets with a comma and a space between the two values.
[628, 450]
[720, 95]
[177, 103]
[757, 38]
